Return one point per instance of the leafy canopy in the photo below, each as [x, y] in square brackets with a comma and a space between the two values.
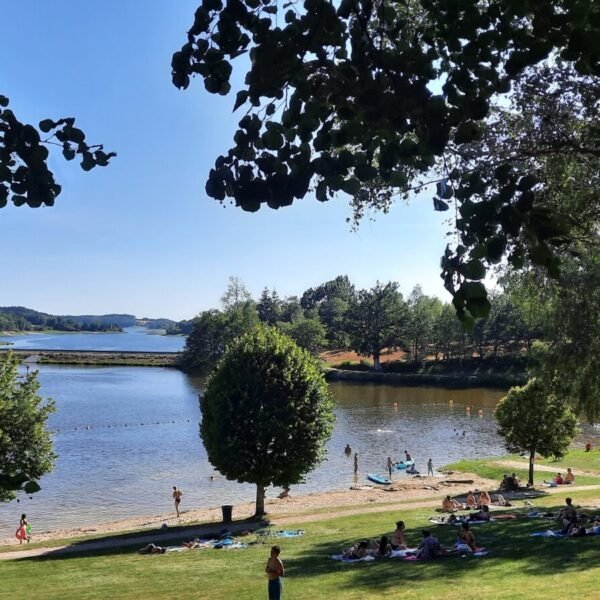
[25, 178]
[266, 412]
[367, 97]
[25, 443]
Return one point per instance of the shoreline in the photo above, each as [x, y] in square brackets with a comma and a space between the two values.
[362, 496]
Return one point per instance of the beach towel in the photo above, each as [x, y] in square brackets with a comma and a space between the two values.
[288, 534]
[345, 559]
[403, 553]
[547, 533]
[458, 521]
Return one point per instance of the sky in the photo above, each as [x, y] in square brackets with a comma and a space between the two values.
[141, 236]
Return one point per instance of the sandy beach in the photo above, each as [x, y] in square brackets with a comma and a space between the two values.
[407, 490]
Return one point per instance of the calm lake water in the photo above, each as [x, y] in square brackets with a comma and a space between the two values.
[132, 338]
[126, 435]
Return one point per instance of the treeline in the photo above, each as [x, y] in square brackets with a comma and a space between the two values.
[19, 318]
[335, 315]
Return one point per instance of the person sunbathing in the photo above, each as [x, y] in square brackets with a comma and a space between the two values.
[471, 500]
[569, 477]
[397, 540]
[484, 499]
[466, 539]
[500, 500]
[481, 515]
[558, 479]
[358, 551]
[384, 547]
[451, 505]
[152, 549]
[568, 516]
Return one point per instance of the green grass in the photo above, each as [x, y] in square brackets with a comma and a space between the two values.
[576, 459]
[518, 567]
[484, 467]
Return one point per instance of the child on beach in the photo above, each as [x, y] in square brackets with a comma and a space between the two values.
[275, 572]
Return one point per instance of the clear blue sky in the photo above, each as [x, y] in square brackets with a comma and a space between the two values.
[141, 236]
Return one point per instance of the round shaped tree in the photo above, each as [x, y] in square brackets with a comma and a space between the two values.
[266, 412]
[25, 442]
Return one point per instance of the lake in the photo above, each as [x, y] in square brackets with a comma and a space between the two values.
[126, 435]
[139, 339]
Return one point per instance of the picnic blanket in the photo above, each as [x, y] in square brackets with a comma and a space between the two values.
[288, 534]
[547, 533]
[345, 559]
[459, 521]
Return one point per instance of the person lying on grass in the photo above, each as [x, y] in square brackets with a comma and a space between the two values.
[466, 539]
[451, 505]
[152, 549]
[358, 551]
[481, 515]
[397, 540]
[430, 547]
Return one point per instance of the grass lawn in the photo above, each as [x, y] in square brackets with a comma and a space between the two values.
[518, 566]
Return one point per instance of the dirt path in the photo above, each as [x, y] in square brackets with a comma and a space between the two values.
[143, 539]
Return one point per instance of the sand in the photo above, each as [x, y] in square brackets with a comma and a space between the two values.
[331, 503]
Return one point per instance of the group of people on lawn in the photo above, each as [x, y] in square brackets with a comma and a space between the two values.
[474, 500]
[429, 547]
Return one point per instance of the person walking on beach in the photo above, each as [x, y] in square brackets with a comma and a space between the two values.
[275, 572]
[24, 530]
[389, 464]
[430, 467]
[355, 463]
[177, 493]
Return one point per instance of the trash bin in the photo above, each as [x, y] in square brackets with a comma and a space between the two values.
[227, 509]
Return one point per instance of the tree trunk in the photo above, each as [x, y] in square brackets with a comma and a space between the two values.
[260, 500]
[376, 363]
[531, 464]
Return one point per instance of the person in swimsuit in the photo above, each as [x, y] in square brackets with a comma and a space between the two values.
[275, 572]
[24, 531]
[389, 465]
[407, 455]
[397, 540]
[471, 500]
[177, 493]
[569, 477]
[484, 499]
[466, 539]
[358, 551]
[355, 463]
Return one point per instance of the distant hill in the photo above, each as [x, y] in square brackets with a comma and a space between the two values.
[20, 318]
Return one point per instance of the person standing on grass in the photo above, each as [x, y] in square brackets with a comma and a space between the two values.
[430, 467]
[177, 493]
[275, 572]
[355, 463]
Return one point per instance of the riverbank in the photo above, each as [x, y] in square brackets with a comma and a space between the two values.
[359, 497]
[95, 357]
[451, 381]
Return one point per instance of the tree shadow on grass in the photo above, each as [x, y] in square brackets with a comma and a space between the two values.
[510, 545]
[131, 542]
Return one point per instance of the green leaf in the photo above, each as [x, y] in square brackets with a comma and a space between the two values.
[47, 125]
[440, 205]
[473, 269]
[240, 99]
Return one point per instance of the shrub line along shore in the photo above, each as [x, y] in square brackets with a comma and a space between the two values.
[455, 380]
